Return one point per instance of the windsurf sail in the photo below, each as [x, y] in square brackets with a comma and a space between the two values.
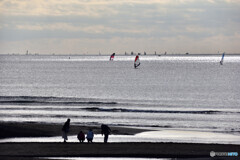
[112, 57]
[136, 62]
[221, 62]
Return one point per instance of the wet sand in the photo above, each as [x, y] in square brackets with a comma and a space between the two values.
[130, 149]
[11, 129]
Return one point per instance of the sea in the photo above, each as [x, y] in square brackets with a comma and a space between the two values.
[187, 92]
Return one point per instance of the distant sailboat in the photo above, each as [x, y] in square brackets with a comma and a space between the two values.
[136, 62]
[112, 57]
[221, 62]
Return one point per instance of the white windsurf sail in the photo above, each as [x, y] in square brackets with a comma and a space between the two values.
[136, 62]
[221, 62]
[112, 57]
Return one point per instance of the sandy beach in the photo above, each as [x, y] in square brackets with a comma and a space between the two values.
[23, 150]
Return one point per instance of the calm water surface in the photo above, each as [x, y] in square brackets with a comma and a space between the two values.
[193, 92]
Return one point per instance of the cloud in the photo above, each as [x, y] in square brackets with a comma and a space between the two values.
[128, 20]
[86, 7]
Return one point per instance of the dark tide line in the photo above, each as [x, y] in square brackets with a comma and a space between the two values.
[31, 102]
[38, 100]
[154, 126]
[41, 109]
[96, 109]
[47, 116]
[35, 97]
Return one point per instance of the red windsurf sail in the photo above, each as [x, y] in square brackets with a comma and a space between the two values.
[136, 62]
[112, 57]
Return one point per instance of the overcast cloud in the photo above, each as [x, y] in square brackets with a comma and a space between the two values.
[90, 26]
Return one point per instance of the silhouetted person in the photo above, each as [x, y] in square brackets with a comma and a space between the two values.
[90, 136]
[106, 131]
[65, 130]
[81, 137]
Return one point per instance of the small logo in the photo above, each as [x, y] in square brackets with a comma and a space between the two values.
[223, 154]
[212, 154]
[233, 154]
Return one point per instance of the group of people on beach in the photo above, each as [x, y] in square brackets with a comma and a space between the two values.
[105, 130]
[81, 136]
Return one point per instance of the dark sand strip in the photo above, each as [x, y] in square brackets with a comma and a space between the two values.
[163, 150]
[11, 129]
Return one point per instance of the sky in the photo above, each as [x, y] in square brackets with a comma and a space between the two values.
[107, 26]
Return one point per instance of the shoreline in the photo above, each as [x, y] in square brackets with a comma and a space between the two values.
[122, 54]
[30, 129]
[32, 132]
[33, 150]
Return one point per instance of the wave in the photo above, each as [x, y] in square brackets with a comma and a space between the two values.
[35, 100]
[50, 116]
[93, 104]
[97, 109]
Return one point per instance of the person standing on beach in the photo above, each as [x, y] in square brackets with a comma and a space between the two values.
[65, 130]
[106, 131]
[90, 136]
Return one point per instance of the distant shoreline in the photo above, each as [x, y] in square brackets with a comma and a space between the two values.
[162, 54]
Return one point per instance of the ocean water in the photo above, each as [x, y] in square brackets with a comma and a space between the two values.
[184, 92]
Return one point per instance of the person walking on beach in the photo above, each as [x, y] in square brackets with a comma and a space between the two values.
[81, 137]
[65, 130]
[106, 131]
[90, 136]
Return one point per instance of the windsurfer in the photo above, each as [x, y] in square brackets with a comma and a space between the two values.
[136, 62]
[112, 57]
